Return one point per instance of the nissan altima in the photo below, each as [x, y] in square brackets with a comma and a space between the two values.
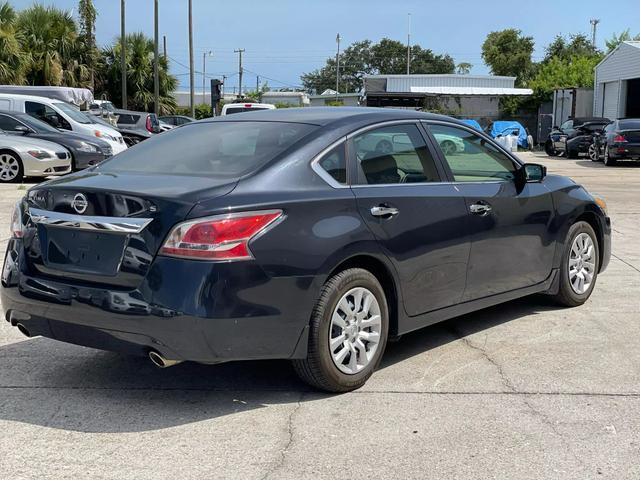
[287, 234]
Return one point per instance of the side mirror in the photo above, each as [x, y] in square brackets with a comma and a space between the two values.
[534, 172]
[22, 129]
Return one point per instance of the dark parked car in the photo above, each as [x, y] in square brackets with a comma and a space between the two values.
[176, 120]
[137, 126]
[287, 234]
[574, 136]
[85, 151]
[620, 140]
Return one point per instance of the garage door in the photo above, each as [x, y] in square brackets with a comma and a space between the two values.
[610, 100]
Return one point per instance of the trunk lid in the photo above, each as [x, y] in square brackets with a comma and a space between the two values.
[106, 228]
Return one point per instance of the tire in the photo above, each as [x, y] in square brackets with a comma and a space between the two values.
[568, 295]
[608, 161]
[11, 169]
[319, 369]
[448, 147]
[549, 150]
[593, 153]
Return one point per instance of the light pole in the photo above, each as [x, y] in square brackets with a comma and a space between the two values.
[192, 83]
[123, 55]
[156, 59]
[204, 72]
[337, 66]
[408, 43]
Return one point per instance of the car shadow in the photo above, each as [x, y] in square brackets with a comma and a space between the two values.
[48, 383]
[621, 164]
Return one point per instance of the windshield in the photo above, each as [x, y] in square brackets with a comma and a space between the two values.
[629, 124]
[228, 149]
[75, 114]
[38, 125]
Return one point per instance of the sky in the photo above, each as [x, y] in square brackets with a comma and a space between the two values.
[284, 38]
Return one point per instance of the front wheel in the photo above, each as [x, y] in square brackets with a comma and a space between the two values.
[548, 148]
[11, 169]
[608, 161]
[593, 153]
[580, 265]
[348, 332]
[448, 147]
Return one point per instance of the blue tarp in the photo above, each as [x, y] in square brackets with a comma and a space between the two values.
[504, 128]
[472, 123]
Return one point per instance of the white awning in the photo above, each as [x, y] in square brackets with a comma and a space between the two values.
[495, 91]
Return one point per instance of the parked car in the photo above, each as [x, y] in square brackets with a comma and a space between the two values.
[574, 136]
[176, 120]
[620, 140]
[472, 123]
[137, 126]
[273, 236]
[85, 151]
[231, 108]
[31, 157]
[165, 127]
[502, 128]
[63, 116]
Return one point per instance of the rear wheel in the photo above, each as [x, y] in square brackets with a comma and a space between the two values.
[608, 161]
[348, 332]
[580, 265]
[448, 147]
[10, 168]
[548, 148]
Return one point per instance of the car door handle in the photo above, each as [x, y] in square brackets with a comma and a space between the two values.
[384, 211]
[480, 208]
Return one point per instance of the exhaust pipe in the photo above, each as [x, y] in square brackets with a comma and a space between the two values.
[24, 330]
[161, 362]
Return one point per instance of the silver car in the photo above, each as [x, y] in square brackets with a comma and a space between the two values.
[31, 157]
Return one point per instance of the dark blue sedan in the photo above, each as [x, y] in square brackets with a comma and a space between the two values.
[310, 234]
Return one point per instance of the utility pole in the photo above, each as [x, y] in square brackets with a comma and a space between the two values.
[164, 46]
[408, 43]
[123, 57]
[204, 74]
[192, 85]
[594, 25]
[337, 66]
[156, 60]
[224, 80]
[258, 85]
[240, 51]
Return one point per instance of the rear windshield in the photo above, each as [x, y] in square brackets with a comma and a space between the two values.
[128, 119]
[629, 124]
[231, 110]
[229, 149]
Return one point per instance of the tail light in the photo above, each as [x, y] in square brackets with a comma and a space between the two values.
[223, 237]
[148, 124]
[619, 139]
[16, 222]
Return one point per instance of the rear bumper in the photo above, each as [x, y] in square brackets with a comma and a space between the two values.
[625, 151]
[194, 311]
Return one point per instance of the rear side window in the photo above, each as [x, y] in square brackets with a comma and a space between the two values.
[128, 119]
[335, 164]
[220, 149]
[394, 154]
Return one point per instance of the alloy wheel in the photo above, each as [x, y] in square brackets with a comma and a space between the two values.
[355, 330]
[582, 263]
[593, 153]
[9, 167]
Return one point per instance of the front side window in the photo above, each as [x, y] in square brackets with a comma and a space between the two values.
[335, 164]
[394, 154]
[473, 159]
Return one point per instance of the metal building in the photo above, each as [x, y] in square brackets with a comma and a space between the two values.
[617, 83]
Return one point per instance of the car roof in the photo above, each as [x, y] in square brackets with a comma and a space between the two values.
[324, 116]
[590, 120]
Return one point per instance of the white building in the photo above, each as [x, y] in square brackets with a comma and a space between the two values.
[293, 99]
[617, 83]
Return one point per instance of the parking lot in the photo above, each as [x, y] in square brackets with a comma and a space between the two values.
[521, 390]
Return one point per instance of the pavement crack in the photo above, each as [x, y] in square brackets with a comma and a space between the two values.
[626, 263]
[290, 437]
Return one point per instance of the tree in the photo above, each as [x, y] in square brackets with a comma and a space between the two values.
[508, 52]
[13, 61]
[463, 68]
[368, 58]
[577, 46]
[564, 73]
[616, 40]
[50, 37]
[139, 60]
[87, 23]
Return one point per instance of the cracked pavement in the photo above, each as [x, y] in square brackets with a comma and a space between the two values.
[522, 390]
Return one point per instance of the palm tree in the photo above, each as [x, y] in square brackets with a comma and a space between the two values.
[13, 61]
[139, 59]
[50, 36]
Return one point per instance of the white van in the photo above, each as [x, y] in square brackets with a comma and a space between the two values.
[231, 108]
[62, 115]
